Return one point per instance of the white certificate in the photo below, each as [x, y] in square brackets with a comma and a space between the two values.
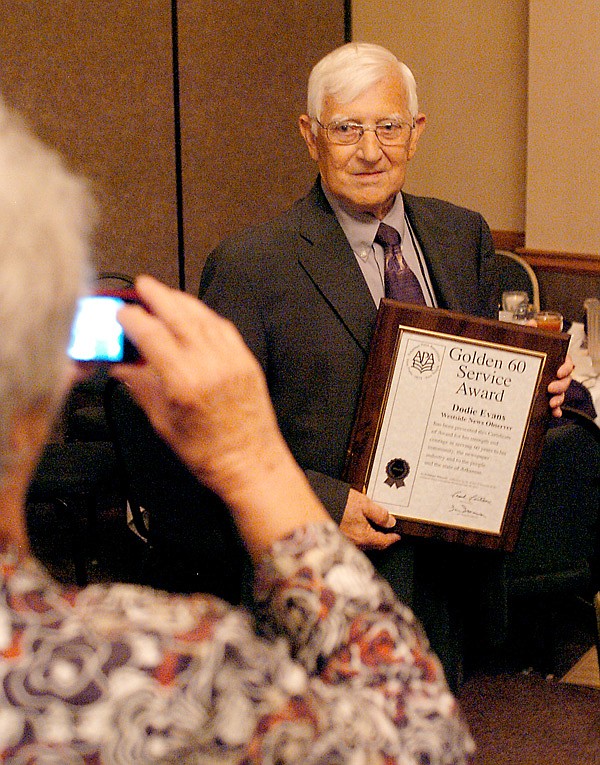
[453, 429]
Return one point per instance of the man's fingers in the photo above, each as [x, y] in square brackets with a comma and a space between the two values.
[381, 541]
[360, 506]
[555, 405]
[378, 515]
[366, 537]
[566, 368]
[362, 520]
[558, 387]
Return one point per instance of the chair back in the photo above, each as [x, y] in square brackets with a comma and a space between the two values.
[515, 273]
[114, 280]
[195, 546]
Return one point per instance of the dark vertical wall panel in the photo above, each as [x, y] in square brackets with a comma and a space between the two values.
[96, 80]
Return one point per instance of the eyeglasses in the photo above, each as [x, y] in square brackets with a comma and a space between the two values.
[388, 132]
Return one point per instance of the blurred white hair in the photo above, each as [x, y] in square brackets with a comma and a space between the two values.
[46, 215]
[348, 71]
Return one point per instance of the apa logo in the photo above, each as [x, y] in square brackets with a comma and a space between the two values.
[423, 361]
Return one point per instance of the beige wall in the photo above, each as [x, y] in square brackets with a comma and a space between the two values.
[563, 168]
[470, 62]
[499, 139]
[511, 92]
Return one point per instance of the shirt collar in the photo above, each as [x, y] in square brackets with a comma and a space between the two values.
[360, 230]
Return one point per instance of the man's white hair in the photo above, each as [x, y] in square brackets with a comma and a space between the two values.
[46, 214]
[348, 71]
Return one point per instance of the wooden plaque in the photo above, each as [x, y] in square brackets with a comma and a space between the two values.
[451, 420]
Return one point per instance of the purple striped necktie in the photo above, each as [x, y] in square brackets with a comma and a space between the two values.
[400, 282]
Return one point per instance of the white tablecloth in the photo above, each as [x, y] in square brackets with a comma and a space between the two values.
[584, 371]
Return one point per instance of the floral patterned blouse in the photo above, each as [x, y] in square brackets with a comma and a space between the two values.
[123, 674]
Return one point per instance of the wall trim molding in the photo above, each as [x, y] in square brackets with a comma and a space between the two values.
[508, 240]
[547, 260]
[565, 262]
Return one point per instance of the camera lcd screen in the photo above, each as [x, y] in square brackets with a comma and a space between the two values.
[96, 334]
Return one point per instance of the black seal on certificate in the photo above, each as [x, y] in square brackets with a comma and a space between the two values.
[396, 470]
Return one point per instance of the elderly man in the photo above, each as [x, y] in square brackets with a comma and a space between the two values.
[112, 674]
[304, 288]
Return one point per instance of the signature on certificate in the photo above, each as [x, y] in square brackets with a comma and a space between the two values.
[464, 503]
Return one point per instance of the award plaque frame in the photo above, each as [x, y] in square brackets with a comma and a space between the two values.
[451, 419]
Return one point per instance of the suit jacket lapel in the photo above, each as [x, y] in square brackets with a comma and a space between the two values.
[437, 250]
[329, 261]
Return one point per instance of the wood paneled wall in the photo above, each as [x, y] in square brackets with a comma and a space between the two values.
[244, 69]
[96, 80]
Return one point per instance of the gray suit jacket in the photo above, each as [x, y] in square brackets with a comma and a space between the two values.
[295, 291]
